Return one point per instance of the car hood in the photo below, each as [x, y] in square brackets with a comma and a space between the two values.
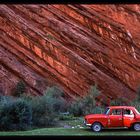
[95, 116]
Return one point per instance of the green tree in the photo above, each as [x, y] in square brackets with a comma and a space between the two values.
[19, 89]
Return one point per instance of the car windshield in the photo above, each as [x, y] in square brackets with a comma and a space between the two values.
[106, 111]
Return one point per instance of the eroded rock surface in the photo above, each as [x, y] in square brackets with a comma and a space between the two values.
[74, 46]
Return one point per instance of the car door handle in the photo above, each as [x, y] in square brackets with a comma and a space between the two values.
[120, 118]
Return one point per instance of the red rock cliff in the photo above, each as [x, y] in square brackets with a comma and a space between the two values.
[74, 46]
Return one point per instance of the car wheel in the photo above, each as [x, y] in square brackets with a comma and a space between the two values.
[96, 127]
[136, 126]
[130, 128]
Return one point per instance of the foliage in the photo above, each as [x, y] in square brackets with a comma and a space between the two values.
[124, 101]
[41, 111]
[98, 110]
[136, 101]
[66, 116]
[138, 94]
[77, 108]
[5, 100]
[57, 95]
[18, 113]
[94, 92]
[46, 108]
[50, 36]
[136, 104]
[87, 104]
[19, 89]
[119, 102]
[14, 114]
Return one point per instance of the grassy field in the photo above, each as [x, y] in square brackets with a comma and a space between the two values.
[71, 128]
[70, 132]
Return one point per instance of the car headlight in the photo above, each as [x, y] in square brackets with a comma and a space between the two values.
[85, 122]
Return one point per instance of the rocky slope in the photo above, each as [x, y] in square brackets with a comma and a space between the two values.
[73, 46]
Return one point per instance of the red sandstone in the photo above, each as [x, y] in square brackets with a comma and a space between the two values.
[73, 46]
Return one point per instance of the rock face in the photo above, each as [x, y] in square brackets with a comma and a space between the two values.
[73, 46]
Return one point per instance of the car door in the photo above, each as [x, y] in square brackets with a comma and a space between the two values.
[128, 117]
[115, 118]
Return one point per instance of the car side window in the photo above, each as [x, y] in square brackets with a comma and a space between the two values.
[128, 112]
[116, 112]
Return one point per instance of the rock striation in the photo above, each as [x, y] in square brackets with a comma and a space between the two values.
[73, 46]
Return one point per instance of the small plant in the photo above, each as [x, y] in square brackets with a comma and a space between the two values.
[94, 92]
[66, 116]
[98, 110]
[19, 89]
[46, 108]
[57, 95]
[119, 102]
[50, 36]
[42, 112]
[77, 108]
[138, 94]
[85, 105]
[136, 101]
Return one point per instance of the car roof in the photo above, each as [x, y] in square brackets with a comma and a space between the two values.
[120, 107]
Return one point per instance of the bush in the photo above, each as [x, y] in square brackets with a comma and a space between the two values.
[85, 105]
[136, 104]
[19, 89]
[46, 108]
[119, 102]
[66, 116]
[42, 112]
[77, 108]
[14, 114]
[57, 95]
[98, 110]
[136, 101]
[138, 94]
[5, 100]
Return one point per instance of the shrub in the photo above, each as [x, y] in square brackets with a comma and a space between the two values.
[136, 104]
[57, 95]
[66, 116]
[5, 100]
[119, 102]
[136, 101]
[42, 112]
[46, 108]
[19, 89]
[98, 110]
[138, 94]
[77, 108]
[85, 105]
[14, 114]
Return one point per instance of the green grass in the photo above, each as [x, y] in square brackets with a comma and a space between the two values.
[70, 132]
[59, 130]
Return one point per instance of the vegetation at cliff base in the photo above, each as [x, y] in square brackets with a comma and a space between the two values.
[14, 114]
[87, 104]
[19, 89]
[52, 112]
[23, 112]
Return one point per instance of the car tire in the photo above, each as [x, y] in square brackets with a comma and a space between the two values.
[96, 127]
[136, 127]
[130, 128]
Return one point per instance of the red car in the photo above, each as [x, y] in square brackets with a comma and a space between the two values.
[114, 116]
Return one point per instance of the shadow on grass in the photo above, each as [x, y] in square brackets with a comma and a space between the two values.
[110, 130]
